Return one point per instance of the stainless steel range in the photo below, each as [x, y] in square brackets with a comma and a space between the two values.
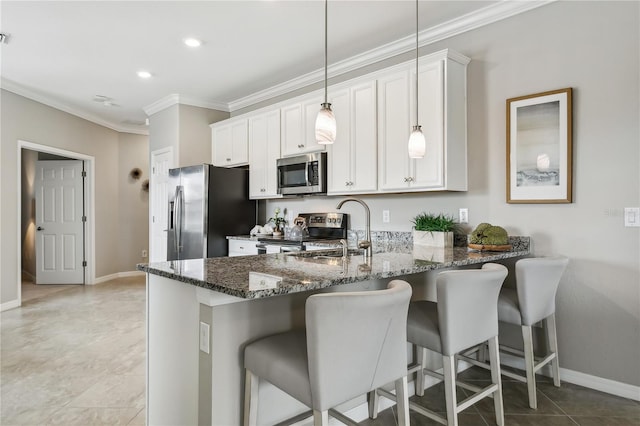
[321, 226]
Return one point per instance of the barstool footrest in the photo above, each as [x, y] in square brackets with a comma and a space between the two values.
[295, 419]
[484, 392]
[344, 419]
[427, 413]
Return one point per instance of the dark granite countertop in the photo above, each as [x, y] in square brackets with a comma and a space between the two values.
[267, 275]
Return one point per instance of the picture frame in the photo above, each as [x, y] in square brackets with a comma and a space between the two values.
[539, 148]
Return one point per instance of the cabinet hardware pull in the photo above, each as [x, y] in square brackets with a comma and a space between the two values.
[228, 159]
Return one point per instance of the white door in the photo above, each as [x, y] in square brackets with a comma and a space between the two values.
[161, 162]
[59, 222]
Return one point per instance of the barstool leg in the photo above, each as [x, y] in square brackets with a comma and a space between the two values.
[402, 401]
[250, 398]
[494, 359]
[529, 363]
[553, 347]
[373, 404]
[320, 418]
[421, 354]
[448, 366]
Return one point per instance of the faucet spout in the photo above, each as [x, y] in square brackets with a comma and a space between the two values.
[366, 243]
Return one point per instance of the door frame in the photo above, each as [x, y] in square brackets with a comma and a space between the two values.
[89, 206]
[152, 155]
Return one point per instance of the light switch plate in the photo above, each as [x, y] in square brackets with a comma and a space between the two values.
[632, 216]
[204, 337]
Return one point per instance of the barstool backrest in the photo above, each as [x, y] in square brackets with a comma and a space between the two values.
[468, 306]
[356, 342]
[537, 280]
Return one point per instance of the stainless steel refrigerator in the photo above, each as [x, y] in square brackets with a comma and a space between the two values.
[206, 204]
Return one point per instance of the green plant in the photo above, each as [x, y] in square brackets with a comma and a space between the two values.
[434, 223]
[277, 220]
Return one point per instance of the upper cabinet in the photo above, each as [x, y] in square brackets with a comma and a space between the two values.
[298, 122]
[351, 163]
[442, 115]
[264, 151]
[374, 115]
[230, 143]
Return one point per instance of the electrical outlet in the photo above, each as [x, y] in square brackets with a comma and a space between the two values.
[463, 215]
[385, 216]
[144, 253]
[632, 216]
[204, 337]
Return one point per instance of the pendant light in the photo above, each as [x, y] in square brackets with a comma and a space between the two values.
[326, 121]
[417, 143]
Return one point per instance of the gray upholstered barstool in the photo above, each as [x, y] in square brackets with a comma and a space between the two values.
[533, 300]
[354, 343]
[465, 315]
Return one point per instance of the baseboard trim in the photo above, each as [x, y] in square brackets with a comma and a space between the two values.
[9, 305]
[117, 275]
[582, 379]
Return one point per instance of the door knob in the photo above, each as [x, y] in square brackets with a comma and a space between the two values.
[40, 228]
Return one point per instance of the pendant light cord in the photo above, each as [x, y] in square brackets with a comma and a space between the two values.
[326, 2]
[416, 62]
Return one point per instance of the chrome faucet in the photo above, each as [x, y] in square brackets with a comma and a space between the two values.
[366, 243]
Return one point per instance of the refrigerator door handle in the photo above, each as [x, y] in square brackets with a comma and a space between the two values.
[177, 219]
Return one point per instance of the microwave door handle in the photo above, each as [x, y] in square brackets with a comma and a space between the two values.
[306, 173]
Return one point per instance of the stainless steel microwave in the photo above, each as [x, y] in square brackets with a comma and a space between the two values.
[303, 174]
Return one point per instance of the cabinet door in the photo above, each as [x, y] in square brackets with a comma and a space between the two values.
[298, 127]
[352, 158]
[264, 151]
[394, 127]
[339, 154]
[363, 131]
[230, 144]
[428, 172]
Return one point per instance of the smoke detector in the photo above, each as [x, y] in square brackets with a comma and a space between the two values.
[105, 100]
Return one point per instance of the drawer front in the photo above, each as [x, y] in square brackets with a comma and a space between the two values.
[242, 247]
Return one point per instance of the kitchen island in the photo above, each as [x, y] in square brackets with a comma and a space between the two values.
[202, 312]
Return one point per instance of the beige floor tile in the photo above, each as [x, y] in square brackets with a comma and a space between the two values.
[114, 391]
[69, 416]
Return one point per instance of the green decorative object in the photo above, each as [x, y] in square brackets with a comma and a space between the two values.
[487, 234]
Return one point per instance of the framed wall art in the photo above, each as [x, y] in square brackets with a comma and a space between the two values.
[539, 152]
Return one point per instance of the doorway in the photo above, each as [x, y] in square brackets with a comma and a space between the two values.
[26, 232]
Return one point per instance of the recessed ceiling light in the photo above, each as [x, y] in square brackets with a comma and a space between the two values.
[144, 74]
[192, 42]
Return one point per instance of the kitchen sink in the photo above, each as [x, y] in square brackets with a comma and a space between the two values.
[327, 254]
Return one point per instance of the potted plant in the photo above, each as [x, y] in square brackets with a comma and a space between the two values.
[433, 230]
[278, 222]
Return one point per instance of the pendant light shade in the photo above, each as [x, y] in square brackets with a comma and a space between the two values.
[325, 125]
[417, 145]
[326, 121]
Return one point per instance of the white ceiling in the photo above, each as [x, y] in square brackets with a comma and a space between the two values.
[63, 53]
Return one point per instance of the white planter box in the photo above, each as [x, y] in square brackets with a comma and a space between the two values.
[433, 239]
[433, 254]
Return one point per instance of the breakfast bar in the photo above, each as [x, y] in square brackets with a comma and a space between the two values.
[202, 312]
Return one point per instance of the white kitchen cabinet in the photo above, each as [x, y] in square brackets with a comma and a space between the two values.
[351, 165]
[264, 151]
[298, 121]
[242, 247]
[442, 115]
[230, 143]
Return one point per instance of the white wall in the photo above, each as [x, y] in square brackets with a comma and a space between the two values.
[27, 120]
[594, 48]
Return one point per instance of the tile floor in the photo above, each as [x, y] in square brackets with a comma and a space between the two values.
[75, 355]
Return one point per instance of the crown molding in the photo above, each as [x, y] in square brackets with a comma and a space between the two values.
[29, 93]
[175, 99]
[462, 24]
